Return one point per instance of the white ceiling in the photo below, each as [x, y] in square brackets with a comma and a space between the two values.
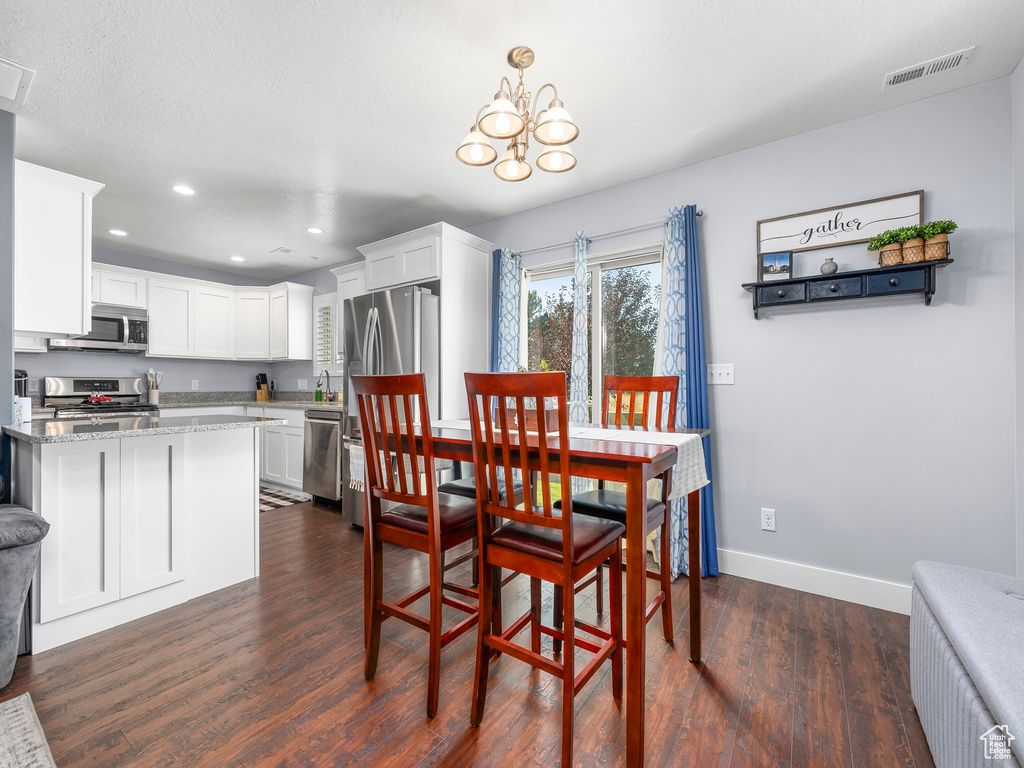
[346, 115]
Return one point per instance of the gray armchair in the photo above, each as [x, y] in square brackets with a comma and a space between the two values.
[21, 536]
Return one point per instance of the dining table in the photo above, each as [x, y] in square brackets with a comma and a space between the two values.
[632, 459]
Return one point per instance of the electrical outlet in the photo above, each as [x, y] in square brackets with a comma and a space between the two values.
[721, 373]
[767, 519]
[195, 385]
[33, 385]
[303, 384]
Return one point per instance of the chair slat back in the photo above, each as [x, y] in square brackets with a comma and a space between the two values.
[647, 402]
[394, 462]
[503, 409]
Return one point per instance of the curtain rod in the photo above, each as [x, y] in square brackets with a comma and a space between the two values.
[603, 236]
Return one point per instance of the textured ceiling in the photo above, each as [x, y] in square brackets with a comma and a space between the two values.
[346, 115]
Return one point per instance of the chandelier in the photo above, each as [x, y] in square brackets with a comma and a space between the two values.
[510, 116]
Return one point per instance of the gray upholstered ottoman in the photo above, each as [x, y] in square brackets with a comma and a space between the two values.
[21, 534]
[967, 665]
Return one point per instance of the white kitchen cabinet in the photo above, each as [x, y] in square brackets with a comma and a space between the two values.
[351, 281]
[402, 263]
[33, 344]
[153, 531]
[252, 325]
[79, 495]
[171, 318]
[214, 322]
[126, 290]
[52, 251]
[282, 446]
[291, 322]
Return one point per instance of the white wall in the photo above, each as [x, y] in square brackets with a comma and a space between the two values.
[1017, 98]
[880, 430]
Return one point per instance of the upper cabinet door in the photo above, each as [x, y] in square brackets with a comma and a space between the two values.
[413, 262]
[215, 323]
[279, 323]
[171, 319]
[121, 289]
[252, 325]
[52, 251]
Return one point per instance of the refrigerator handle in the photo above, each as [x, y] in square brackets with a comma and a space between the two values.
[366, 342]
[378, 343]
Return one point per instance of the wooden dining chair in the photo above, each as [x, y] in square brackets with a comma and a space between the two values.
[400, 471]
[636, 402]
[540, 541]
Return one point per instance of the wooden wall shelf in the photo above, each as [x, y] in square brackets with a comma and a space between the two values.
[864, 283]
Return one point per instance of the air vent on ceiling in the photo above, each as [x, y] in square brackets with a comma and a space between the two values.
[14, 81]
[929, 68]
[282, 250]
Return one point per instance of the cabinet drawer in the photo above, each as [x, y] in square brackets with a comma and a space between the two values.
[901, 282]
[294, 416]
[832, 289]
[782, 294]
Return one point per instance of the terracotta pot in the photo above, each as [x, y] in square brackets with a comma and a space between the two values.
[890, 255]
[936, 248]
[913, 250]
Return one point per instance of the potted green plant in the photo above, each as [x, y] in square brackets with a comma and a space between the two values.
[936, 234]
[889, 247]
[913, 244]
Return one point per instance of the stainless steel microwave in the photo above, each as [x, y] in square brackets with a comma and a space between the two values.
[114, 329]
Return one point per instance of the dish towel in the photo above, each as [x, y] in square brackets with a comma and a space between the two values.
[357, 466]
[689, 474]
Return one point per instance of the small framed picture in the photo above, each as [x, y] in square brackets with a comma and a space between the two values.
[775, 266]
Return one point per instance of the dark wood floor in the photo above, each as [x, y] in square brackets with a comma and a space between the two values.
[270, 673]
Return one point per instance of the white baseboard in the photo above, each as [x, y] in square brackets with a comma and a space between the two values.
[876, 593]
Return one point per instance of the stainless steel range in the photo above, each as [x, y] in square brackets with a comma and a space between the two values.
[90, 397]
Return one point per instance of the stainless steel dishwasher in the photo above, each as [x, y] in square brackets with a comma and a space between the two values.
[321, 453]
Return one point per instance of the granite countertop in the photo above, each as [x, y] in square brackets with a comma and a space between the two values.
[294, 404]
[110, 427]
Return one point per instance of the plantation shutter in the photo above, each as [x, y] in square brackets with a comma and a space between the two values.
[326, 353]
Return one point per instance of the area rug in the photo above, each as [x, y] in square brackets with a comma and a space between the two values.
[22, 743]
[272, 498]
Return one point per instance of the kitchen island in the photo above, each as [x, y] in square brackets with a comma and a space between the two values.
[145, 512]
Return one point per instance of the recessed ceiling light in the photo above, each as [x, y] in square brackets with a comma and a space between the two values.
[181, 189]
[314, 230]
[238, 258]
[314, 258]
[118, 232]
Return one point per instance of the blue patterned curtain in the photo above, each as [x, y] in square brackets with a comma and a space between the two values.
[579, 385]
[683, 333]
[508, 270]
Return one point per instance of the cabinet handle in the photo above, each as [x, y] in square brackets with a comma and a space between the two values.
[834, 288]
[894, 281]
[782, 294]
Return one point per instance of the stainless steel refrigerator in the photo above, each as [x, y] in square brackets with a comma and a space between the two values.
[388, 332]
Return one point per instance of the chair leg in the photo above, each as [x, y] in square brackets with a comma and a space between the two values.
[556, 644]
[496, 607]
[483, 651]
[666, 579]
[434, 659]
[615, 604]
[568, 672]
[535, 614]
[375, 593]
[600, 590]
[476, 563]
[367, 581]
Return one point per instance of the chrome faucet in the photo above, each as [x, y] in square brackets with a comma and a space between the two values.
[320, 381]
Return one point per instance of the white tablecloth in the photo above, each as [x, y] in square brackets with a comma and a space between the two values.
[690, 473]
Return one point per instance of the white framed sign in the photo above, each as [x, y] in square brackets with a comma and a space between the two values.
[840, 225]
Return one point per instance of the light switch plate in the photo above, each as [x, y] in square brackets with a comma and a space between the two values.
[303, 383]
[721, 373]
[195, 385]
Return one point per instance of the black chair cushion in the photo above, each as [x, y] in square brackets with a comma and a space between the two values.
[19, 527]
[609, 505]
[466, 486]
[589, 536]
[454, 512]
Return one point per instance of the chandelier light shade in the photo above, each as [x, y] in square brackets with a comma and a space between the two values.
[556, 159]
[476, 149]
[554, 126]
[511, 116]
[511, 168]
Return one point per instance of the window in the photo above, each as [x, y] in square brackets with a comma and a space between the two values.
[625, 302]
[326, 344]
